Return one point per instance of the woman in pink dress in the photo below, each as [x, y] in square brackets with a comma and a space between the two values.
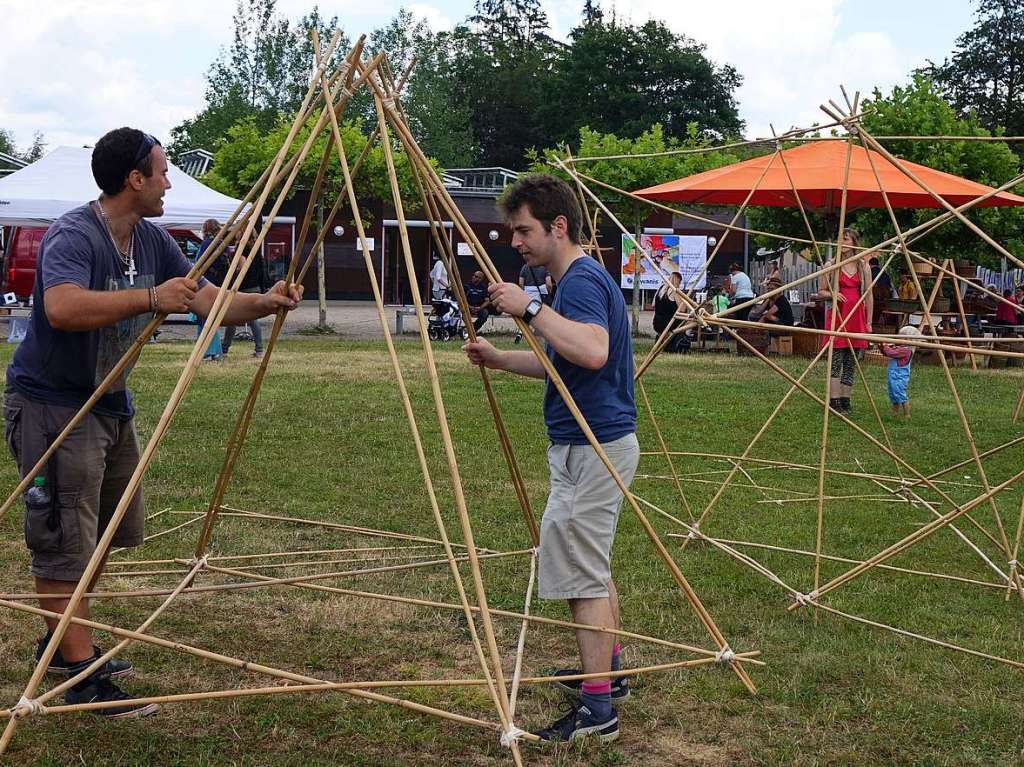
[854, 282]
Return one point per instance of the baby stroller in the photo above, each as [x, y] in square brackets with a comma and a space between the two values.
[445, 322]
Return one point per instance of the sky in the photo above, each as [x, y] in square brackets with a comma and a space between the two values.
[74, 69]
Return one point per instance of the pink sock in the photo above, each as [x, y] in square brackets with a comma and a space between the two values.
[597, 688]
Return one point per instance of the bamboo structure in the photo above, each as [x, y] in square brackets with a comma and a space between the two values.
[910, 487]
[206, 574]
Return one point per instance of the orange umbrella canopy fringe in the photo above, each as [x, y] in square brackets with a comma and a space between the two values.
[817, 172]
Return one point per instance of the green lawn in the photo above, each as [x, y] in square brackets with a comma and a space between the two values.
[329, 442]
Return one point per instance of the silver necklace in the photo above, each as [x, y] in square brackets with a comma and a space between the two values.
[127, 256]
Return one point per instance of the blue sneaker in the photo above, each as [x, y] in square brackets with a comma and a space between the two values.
[581, 723]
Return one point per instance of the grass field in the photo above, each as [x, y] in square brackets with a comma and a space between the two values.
[329, 443]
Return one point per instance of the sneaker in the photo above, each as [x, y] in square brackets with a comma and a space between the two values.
[579, 723]
[258, 354]
[115, 667]
[620, 685]
[99, 689]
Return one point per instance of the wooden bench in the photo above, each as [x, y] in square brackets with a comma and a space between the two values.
[757, 338]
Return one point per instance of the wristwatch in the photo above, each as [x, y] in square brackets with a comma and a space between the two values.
[532, 310]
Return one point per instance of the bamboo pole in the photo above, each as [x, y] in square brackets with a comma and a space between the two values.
[113, 651]
[823, 457]
[268, 581]
[292, 689]
[369, 532]
[268, 555]
[898, 164]
[20, 711]
[847, 560]
[909, 540]
[664, 450]
[484, 261]
[787, 136]
[521, 644]
[504, 440]
[964, 422]
[538, 619]
[957, 508]
[499, 689]
[240, 431]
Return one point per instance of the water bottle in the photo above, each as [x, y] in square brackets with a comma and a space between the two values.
[37, 499]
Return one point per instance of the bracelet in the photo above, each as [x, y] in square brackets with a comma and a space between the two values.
[154, 304]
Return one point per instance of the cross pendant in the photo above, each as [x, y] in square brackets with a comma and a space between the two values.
[130, 274]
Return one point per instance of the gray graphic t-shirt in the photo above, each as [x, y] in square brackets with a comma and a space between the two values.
[65, 367]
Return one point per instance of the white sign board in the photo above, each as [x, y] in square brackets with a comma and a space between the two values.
[463, 249]
[681, 253]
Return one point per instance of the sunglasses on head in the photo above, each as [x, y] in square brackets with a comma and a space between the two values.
[145, 147]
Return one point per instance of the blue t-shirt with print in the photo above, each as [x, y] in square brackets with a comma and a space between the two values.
[65, 367]
[587, 293]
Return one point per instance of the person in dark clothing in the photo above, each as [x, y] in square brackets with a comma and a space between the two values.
[255, 281]
[479, 300]
[103, 270]
[779, 311]
[665, 308]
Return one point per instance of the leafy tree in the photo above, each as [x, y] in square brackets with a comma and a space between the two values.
[985, 75]
[248, 150]
[440, 123]
[500, 69]
[37, 149]
[263, 74]
[638, 173]
[7, 145]
[620, 79]
[919, 109]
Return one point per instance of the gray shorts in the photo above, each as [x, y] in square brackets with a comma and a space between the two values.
[578, 526]
[86, 477]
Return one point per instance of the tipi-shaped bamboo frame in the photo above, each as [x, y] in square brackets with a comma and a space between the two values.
[999, 552]
[325, 99]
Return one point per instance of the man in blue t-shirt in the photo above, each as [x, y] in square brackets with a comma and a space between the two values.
[102, 272]
[588, 342]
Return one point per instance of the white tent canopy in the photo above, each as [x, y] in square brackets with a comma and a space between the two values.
[40, 193]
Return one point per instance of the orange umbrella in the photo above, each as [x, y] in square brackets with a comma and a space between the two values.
[817, 171]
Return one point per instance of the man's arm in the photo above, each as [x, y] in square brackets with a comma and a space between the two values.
[580, 343]
[72, 308]
[481, 352]
[248, 306]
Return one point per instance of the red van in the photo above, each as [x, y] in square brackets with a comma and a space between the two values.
[19, 263]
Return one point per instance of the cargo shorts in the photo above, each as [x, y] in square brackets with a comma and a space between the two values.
[86, 477]
[579, 522]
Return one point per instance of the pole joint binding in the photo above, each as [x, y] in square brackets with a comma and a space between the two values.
[511, 736]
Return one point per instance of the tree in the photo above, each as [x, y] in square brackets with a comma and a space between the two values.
[986, 72]
[919, 109]
[440, 123]
[38, 148]
[630, 174]
[500, 68]
[247, 151]
[264, 74]
[621, 79]
[7, 145]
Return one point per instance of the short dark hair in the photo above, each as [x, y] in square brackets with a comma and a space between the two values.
[117, 154]
[547, 198]
[734, 267]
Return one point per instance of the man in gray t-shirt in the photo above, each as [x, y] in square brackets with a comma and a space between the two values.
[102, 271]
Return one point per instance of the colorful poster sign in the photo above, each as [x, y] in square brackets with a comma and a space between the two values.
[681, 253]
